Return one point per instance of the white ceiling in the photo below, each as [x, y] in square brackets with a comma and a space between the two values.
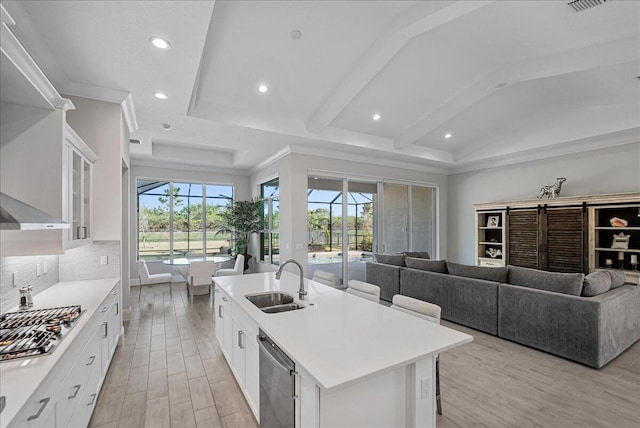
[428, 67]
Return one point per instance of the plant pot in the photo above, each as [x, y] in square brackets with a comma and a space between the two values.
[246, 261]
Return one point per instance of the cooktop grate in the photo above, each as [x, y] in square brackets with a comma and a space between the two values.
[31, 333]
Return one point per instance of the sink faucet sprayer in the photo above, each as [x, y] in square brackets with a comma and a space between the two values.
[301, 292]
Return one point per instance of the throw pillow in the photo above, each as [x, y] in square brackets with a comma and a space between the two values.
[417, 254]
[389, 259]
[439, 266]
[596, 283]
[566, 283]
[618, 279]
[496, 274]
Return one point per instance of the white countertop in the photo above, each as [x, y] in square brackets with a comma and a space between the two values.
[341, 338]
[20, 378]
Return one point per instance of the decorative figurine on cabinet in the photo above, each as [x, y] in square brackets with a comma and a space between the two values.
[553, 190]
[620, 241]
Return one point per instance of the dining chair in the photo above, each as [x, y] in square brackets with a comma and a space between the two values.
[151, 279]
[364, 289]
[429, 312]
[238, 268]
[200, 277]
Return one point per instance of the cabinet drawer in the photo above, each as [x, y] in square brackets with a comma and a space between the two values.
[77, 380]
[39, 410]
[87, 402]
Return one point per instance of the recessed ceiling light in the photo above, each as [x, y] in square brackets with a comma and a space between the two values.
[296, 35]
[447, 135]
[160, 43]
[263, 88]
[166, 126]
[160, 95]
[376, 116]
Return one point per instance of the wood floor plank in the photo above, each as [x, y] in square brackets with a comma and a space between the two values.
[201, 396]
[175, 363]
[182, 415]
[133, 410]
[194, 367]
[158, 384]
[208, 418]
[179, 388]
[138, 379]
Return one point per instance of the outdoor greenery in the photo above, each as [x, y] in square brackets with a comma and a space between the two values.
[242, 218]
[325, 231]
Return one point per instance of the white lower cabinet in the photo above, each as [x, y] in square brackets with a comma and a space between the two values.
[245, 357]
[236, 333]
[67, 397]
[223, 325]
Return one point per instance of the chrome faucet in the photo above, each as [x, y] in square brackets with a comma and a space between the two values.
[301, 292]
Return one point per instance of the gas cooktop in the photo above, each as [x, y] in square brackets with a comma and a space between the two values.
[32, 333]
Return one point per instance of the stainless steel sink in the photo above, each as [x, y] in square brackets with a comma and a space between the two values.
[273, 302]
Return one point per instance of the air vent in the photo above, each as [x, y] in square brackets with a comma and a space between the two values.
[580, 5]
[134, 141]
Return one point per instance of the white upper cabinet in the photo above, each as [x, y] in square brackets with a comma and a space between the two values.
[78, 161]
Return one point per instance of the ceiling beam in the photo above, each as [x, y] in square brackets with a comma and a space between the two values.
[588, 58]
[420, 19]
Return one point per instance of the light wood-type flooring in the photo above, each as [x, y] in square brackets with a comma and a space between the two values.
[169, 371]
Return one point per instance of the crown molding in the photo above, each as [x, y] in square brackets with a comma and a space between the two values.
[18, 55]
[270, 160]
[129, 112]
[184, 166]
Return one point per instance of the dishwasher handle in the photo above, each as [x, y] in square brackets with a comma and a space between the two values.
[269, 352]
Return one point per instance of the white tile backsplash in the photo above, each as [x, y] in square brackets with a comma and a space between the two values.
[26, 268]
[85, 262]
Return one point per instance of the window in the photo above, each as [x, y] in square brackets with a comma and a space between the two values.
[178, 220]
[270, 235]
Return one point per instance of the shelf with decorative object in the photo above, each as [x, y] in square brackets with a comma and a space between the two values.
[615, 238]
[490, 238]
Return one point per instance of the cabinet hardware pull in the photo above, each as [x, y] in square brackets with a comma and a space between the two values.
[240, 341]
[115, 292]
[104, 309]
[220, 311]
[43, 404]
[84, 232]
[77, 388]
[225, 299]
[215, 290]
[117, 308]
[294, 384]
[78, 232]
[93, 399]
[91, 360]
[106, 329]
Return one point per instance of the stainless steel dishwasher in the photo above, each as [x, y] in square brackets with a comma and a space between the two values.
[278, 385]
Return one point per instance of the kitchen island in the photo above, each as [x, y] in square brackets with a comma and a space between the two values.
[358, 363]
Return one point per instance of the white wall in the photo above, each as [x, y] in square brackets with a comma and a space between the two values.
[240, 185]
[611, 170]
[293, 170]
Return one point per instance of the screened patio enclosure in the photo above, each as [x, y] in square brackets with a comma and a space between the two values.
[180, 219]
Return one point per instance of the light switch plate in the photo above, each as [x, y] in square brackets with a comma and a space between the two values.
[425, 388]
[45, 268]
[104, 260]
[15, 279]
[38, 269]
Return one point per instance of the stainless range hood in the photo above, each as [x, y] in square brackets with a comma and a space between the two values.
[16, 215]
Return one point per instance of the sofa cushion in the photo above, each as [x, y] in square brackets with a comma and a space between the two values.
[596, 283]
[417, 254]
[496, 274]
[390, 259]
[566, 283]
[618, 278]
[439, 266]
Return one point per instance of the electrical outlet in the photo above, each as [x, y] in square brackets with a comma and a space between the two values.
[425, 388]
[15, 279]
[104, 260]
[38, 269]
[45, 268]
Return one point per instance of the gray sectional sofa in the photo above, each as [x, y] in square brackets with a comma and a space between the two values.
[589, 320]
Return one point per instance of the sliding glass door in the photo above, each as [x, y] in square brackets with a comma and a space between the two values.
[350, 219]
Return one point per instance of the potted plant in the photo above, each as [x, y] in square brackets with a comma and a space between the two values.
[242, 218]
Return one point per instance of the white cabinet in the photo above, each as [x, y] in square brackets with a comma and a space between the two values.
[109, 328]
[245, 363]
[223, 324]
[40, 410]
[236, 333]
[78, 161]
